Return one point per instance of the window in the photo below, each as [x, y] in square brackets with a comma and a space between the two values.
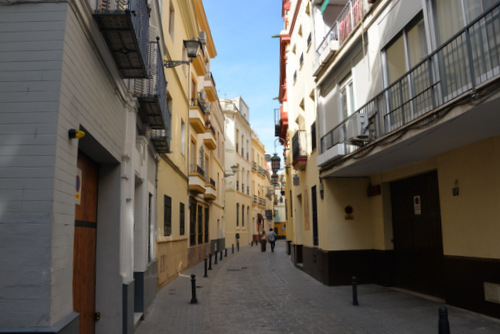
[453, 15]
[314, 216]
[150, 228]
[412, 39]
[402, 54]
[242, 216]
[183, 137]
[313, 136]
[200, 225]
[192, 156]
[207, 219]
[347, 97]
[182, 219]
[237, 214]
[171, 22]
[167, 216]
[192, 222]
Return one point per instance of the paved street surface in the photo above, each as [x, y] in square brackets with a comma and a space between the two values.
[254, 292]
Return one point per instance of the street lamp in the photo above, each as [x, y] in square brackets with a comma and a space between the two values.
[234, 169]
[192, 46]
[275, 163]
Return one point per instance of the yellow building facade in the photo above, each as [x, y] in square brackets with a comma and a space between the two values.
[396, 182]
[189, 176]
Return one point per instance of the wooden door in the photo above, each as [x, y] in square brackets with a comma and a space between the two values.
[84, 254]
[417, 234]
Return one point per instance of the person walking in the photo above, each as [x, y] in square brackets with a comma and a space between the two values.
[263, 241]
[271, 236]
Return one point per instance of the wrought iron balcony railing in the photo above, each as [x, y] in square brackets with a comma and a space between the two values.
[467, 60]
[299, 149]
[342, 27]
[125, 28]
[152, 97]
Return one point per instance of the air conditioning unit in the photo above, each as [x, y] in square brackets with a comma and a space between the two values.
[357, 128]
[202, 96]
[203, 37]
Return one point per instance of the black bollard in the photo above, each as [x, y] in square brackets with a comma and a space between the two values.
[193, 289]
[220, 255]
[238, 245]
[215, 257]
[232, 249]
[210, 262]
[205, 268]
[444, 325]
[354, 291]
[225, 252]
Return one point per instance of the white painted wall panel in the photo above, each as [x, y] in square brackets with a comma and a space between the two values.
[30, 67]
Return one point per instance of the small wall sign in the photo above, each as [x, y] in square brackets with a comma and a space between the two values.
[417, 205]
[78, 186]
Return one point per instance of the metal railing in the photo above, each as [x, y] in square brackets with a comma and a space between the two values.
[468, 59]
[139, 15]
[345, 23]
[299, 147]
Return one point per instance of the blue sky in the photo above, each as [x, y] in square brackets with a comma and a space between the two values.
[247, 62]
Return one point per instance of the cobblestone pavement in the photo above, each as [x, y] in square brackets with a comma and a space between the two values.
[255, 292]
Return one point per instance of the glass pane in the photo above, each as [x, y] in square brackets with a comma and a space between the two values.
[473, 9]
[449, 18]
[396, 60]
[417, 43]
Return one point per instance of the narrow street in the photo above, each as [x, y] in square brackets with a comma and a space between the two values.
[254, 292]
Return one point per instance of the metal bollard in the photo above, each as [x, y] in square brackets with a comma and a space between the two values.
[193, 289]
[220, 255]
[215, 261]
[354, 291]
[225, 252]
[238, 245]
[205, 268]
[444, 325]
[232, 249]
[210, 262]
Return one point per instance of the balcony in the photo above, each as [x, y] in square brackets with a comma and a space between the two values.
[197, 116]
[211, 192]
[281, 123]
[151, 94]
[199, 63]
[255, 200]
[415, 109]
[125, 28]
[299, 150]
[345, 23]
[197, 180]
[262, 202]
[209, 138]
[209, 87]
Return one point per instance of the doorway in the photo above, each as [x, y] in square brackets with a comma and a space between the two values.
[418, 245]
[84, 253]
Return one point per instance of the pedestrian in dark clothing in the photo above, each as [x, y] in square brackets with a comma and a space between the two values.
[263, 241]
[271, 236]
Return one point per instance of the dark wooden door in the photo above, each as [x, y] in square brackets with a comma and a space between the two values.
[417, 234]
[84, 254]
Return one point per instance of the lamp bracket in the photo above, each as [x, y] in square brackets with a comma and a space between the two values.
[174, 63]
